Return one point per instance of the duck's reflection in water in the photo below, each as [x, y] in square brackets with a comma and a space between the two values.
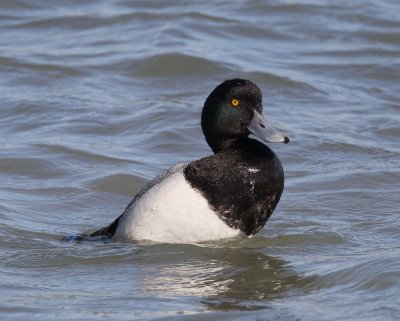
[221, 277]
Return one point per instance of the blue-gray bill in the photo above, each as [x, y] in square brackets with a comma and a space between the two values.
[260, 128]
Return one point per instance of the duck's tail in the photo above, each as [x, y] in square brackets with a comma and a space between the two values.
[108, 230]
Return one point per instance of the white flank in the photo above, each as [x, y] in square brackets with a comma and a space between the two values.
[172, 212]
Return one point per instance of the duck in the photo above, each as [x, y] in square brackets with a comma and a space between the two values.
[232, 192]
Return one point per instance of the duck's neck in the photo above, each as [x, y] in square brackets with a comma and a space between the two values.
[245, 146]
[227, 143]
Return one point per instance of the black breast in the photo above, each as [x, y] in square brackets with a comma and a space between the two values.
[243, 185]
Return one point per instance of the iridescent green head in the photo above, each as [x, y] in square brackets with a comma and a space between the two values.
[232, 111]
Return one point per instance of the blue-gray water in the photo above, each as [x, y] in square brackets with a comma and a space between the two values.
[97, 97]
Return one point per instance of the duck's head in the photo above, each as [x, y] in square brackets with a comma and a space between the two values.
[232, 112]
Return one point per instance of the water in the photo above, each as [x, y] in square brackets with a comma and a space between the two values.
[97, 97]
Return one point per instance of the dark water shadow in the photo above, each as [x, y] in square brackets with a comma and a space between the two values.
[79, 238]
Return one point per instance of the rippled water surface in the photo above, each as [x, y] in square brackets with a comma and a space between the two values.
[97, 97]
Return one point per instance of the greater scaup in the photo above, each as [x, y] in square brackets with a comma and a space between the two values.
[231, 192]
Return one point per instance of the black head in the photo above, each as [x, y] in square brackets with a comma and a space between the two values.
[231, 112]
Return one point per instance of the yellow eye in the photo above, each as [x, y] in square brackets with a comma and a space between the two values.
[235, 102]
